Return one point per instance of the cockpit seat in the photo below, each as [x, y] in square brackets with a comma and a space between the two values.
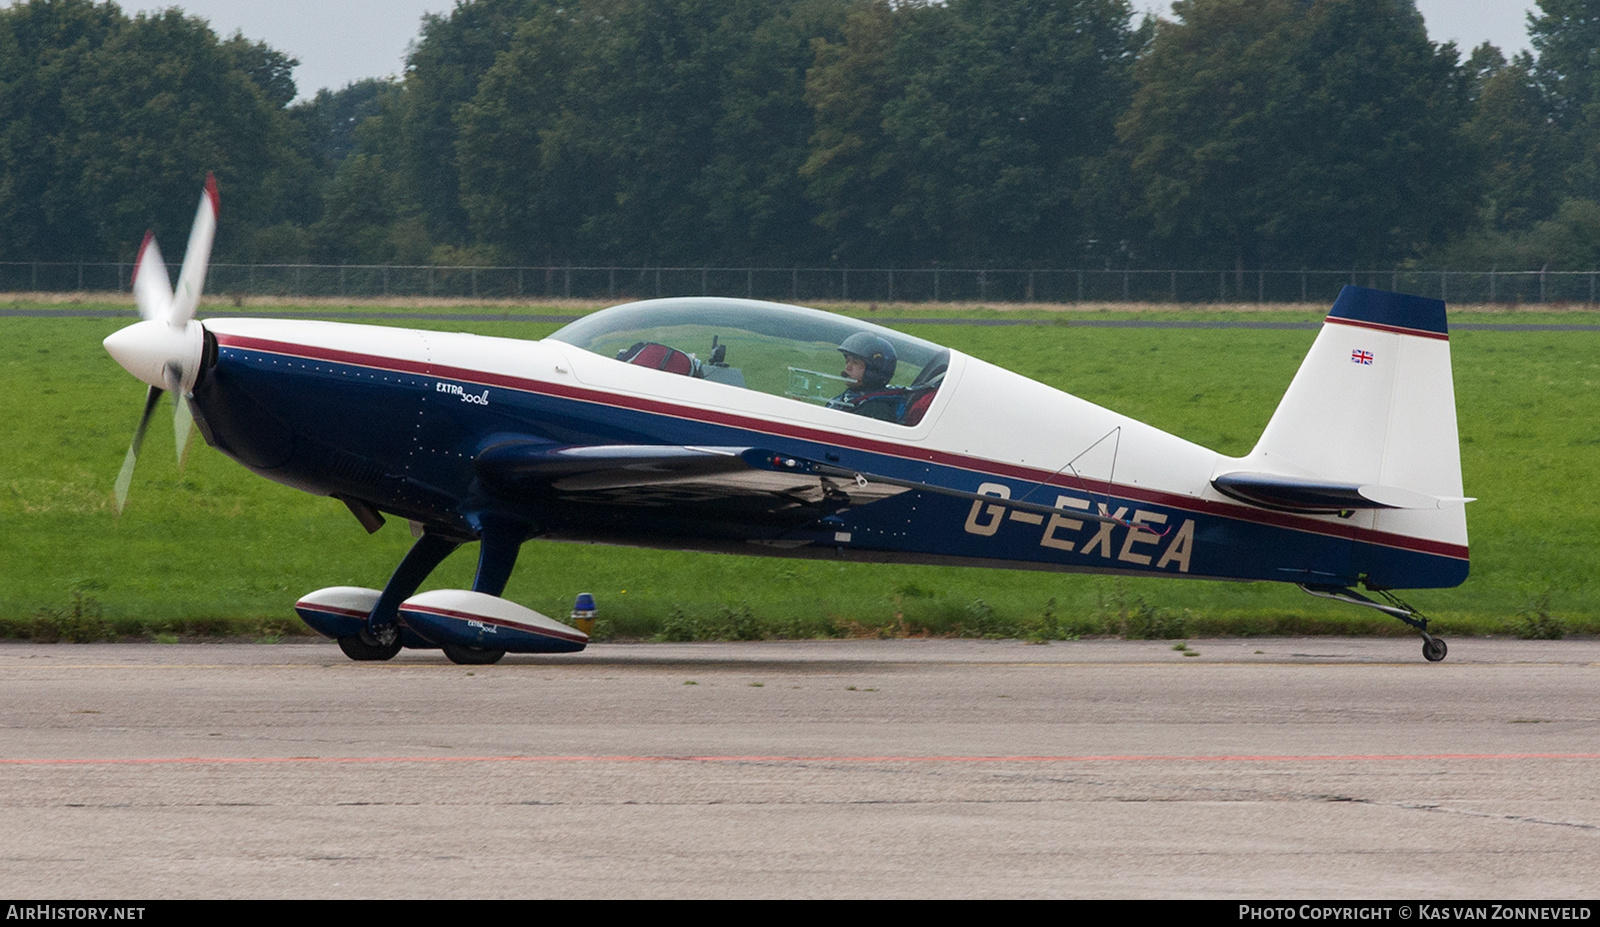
[658, 357]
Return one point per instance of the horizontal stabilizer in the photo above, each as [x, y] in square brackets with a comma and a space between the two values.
[1310, 496]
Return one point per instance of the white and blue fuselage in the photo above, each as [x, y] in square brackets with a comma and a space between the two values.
[399, 420]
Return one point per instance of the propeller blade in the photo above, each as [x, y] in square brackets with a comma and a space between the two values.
[166, 354]
[125, 477]
[182, 423]
[152, 290]
[182, 417]
[192, 279]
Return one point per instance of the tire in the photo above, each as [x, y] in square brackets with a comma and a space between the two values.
[360, 648]
[471, 656]
[1434, 649]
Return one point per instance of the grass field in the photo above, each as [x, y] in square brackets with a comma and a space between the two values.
[218, 550]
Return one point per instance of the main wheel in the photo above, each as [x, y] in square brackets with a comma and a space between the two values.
[362, 646]
[471, 656]
[1434, 649]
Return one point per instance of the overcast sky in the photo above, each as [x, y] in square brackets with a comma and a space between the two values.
[341, 41]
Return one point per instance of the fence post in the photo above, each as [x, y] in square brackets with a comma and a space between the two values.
[983, 284]
[611, 283]
[935, 282]
[1029, 297]
[566, 282]
[1491, 283]
[891, 284]
[658, 283]
[1261, 285]
[794, 283]
[35, 277]
[703, 282]
[1444, 285]
[749, 283]
[1172, 287]
[1302, 284]
[844, 284]
[341, 279]
[474, 273]
[1080, 286]
[1222, 286]
[1541, 282]
[1124, 284]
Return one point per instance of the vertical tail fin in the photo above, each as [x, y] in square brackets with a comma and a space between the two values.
[1373, 402]
[1371, 415]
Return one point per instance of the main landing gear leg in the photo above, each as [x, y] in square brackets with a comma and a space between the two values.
[1433, 648]
[380, 639]
[497, 556]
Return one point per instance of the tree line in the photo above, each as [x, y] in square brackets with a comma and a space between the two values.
[890, 133]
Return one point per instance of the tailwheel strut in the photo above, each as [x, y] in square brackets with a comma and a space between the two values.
[1434, 648]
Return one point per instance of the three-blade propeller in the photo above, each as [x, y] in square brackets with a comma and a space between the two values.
[165, 349]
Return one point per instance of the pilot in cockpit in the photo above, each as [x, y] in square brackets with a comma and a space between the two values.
[869, 364]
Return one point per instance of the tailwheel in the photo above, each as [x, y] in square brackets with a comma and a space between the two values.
[363, 646]
[471, 656]
[1433, 648]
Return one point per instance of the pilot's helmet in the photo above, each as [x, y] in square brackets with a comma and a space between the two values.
[878, 355]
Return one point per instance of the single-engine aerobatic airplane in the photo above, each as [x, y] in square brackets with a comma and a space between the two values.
[707, 424]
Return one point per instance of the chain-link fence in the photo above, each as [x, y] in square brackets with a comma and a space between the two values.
[801, 284]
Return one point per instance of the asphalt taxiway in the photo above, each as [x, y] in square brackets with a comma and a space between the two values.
[1253, 768]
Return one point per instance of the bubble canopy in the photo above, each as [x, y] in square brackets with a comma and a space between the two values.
[770, 347]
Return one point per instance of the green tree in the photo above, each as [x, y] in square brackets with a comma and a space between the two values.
[443, 71]
[108, 126]
[1524, 151]
[967, 130]
[271, 70]
[358, 214]
[43, 45]
[646, 131]
[1569, 240]
[1565, 35]
[756, 205]
[1281, 132]
[332, 118]
[848, 172]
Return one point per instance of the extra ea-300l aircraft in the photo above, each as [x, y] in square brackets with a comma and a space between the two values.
[709, 424]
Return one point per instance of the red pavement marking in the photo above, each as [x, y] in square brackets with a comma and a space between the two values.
[1130, 758]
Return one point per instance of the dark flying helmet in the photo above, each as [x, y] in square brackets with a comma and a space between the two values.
[878, 355]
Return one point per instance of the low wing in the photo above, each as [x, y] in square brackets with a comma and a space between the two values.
[745, 480]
